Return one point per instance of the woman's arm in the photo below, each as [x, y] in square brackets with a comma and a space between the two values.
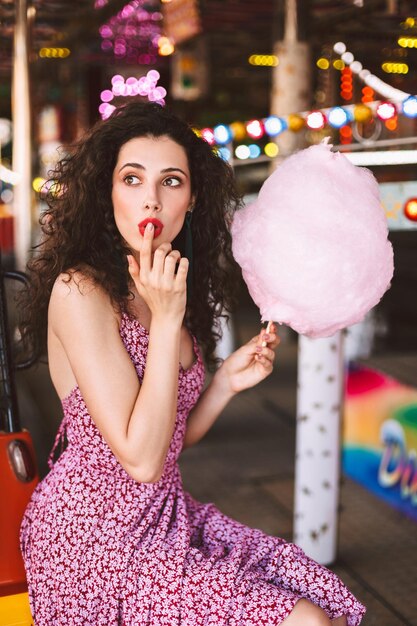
[243, 369]
[136, 421]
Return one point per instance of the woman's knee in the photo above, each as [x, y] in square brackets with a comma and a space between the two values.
[305, 613]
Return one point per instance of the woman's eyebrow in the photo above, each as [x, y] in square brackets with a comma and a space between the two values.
[166, 170]
[173, 169]
[137, 165]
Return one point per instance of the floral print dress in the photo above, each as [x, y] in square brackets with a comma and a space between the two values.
[101, 549]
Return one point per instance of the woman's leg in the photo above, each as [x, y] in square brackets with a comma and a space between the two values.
[305, 613]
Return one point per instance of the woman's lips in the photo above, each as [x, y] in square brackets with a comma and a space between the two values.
[158, 226]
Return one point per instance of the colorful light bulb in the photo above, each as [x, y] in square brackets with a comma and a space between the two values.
[222, 134]
[239, 130]
[274, 125]
[409, 106]
[295, 122]
[106, 95]
[316, 120]
[362, 113]
[386, 110]
[338, 117]
[242, 152]
[255, 129]
[208, 135]
[271, 149]
[410, 209]
[254, 151]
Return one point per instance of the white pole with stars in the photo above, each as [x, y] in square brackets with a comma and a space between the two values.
[317, 464]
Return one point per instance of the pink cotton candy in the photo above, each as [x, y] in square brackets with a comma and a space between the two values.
[313, 247]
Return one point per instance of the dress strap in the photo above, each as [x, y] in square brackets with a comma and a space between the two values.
[59, 441]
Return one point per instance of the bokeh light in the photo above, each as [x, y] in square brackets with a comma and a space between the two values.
[386, 110]
[410, 209]
[165, 46]
[6, 196]
[242, 152]
[316, 120]
[254, 151]
[295, 122]
[274, 125]
[271, 149]
[323, 63]
[133, 33]
[338, 117]
[255, 129]
[208, 135]
[362, 113]
[338, 64]
[239, 130]
[37, 183]
[132, 86]
[409, 106]
[395, 68]
[106, 95]
[222, 134]
[268, 60]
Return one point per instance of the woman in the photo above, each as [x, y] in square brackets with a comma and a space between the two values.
[110, 537]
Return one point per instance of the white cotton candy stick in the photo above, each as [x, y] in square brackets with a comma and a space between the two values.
[267, 330]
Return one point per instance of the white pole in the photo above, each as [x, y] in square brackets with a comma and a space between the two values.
[291, 78]
[317, 464]
[320, 371]
[22, 196]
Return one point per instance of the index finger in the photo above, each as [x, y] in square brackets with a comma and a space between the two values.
[145, 253]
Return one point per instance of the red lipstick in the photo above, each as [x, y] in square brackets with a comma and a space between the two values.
[158, 226]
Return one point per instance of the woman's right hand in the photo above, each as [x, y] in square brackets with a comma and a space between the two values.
[163, 290]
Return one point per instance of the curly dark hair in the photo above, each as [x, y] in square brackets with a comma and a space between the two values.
[79, 230]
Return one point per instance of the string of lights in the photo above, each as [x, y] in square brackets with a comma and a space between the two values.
[396, 102]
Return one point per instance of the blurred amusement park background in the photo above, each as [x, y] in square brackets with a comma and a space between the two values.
[259, 81]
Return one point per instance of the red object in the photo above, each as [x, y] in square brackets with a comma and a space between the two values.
[345, 134]
[158, 226]
[364, 380]
[6, 233]
[18, 478]
[368, 94]
[346, 84]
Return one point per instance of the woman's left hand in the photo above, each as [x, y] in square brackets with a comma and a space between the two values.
[251, 363]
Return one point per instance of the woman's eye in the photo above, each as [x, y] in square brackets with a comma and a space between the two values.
[130, 179]
[172, 182]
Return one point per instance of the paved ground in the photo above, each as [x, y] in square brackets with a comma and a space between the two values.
[245, 466]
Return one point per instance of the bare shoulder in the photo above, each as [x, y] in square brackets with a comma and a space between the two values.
[76, 296]
[75, 282]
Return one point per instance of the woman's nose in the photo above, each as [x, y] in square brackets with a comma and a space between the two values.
[151, 200]
[152, 205]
